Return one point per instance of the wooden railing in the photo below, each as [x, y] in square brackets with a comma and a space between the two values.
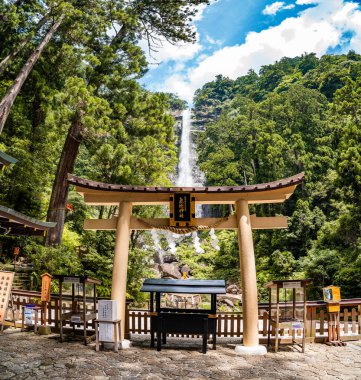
[229, 324]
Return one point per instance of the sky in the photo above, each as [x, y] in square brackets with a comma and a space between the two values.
[234, 36]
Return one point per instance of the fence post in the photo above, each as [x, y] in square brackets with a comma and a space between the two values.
[265, 323]
[311, 322]
[56, 317]
[354, 320]
[345, 320]
[126, 325]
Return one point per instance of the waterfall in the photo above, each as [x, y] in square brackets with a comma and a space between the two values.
[185, 175]
[188, 172]
[188, 175]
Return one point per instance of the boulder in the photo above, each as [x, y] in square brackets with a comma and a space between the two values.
[233, 289]
[228, 303]
[169, 270]
[230, 298]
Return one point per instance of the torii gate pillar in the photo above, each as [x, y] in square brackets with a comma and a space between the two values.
[120, 265]
[249, 283]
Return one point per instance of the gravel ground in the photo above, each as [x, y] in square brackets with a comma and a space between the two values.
[25, 355]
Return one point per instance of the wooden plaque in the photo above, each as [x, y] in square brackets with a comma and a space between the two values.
[6, 282]
[45, 287]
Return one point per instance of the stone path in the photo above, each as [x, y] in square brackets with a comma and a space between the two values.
[24, 355]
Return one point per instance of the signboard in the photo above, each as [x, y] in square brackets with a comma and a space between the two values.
[6, 282]
[292, 284]
[71, 280]
[182, 210]
[45, 287]
[332, 294]
[29, 315]
[107, 310]
[106, 332]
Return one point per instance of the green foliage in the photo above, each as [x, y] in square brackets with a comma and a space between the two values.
[139, 268]
[61, 260]
[299, 114]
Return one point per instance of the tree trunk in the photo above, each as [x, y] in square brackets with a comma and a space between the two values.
[59, 194]
[10, 96]
[9, 58]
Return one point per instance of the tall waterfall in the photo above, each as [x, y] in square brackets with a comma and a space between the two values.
[188, 172]
[188, 175]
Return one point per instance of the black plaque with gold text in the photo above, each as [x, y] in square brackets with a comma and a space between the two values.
[182, 209]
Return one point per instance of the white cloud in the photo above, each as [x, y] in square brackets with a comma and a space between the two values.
[165, 51]
[275, 7]
[306, 2]
[314, 30]
[212, 41]
[176, 84]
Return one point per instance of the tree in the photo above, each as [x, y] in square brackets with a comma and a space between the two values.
[11, 56]
[172, 22]
[8, 100]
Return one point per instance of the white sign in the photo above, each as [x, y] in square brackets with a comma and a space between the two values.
[292, 284]
[29, 316]
[107, 310]
[106, 332]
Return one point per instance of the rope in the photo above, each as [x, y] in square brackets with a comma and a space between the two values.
[184, 230]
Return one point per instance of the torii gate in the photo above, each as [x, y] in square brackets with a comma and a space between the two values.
[103, 194]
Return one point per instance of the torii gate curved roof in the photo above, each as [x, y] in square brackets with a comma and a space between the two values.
[99, 193]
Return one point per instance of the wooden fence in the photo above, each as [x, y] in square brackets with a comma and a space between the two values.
[230, 325]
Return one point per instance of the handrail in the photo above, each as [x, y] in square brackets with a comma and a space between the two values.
[261, 305]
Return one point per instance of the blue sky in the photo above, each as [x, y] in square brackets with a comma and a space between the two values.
[234, 36]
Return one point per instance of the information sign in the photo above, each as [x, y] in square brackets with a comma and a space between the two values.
[6, 282]
[292, 284]
[71, 280]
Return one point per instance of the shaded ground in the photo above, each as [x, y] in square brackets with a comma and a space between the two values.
[24, 355]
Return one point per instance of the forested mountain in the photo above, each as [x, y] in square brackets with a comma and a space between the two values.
[298, 114]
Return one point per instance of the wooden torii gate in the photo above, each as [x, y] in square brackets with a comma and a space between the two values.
[103, 194]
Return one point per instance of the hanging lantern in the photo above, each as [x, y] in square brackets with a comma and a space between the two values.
[69, 207]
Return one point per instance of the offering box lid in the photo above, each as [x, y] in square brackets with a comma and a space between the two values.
[184, 286]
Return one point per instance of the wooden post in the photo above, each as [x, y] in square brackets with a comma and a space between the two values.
[119, 279]
[248, 275]
[45, 294]
[127, 316]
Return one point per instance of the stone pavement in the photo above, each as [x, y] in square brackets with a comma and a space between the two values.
[24, 355]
